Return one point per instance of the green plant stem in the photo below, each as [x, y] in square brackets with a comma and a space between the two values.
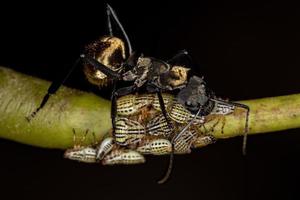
[71, 109]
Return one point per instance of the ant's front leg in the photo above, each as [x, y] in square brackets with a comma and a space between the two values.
[55, 85]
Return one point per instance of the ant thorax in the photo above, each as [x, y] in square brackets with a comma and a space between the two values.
[157, 73]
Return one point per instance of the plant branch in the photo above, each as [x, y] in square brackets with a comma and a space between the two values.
[21, 94]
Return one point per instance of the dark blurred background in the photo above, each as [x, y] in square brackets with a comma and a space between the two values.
[244, 50]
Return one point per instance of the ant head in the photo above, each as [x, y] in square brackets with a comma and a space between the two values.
[110, 51]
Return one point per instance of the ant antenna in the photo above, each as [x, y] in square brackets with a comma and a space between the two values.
[111, 12]
[109, 22]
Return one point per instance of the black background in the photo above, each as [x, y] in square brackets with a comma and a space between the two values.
[244, 50]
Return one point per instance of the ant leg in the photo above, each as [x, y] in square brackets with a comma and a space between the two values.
[181, 56]
[131, 61]
[184, 143]
[55, 85]
[124, 91]
[246, 130]
[113, 111]
[163, 109]
[111, 13]
[187, 126]
[167, 175]
[164, 112]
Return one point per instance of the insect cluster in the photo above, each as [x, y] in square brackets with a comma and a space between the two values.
[142, 128]
[163, 110]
